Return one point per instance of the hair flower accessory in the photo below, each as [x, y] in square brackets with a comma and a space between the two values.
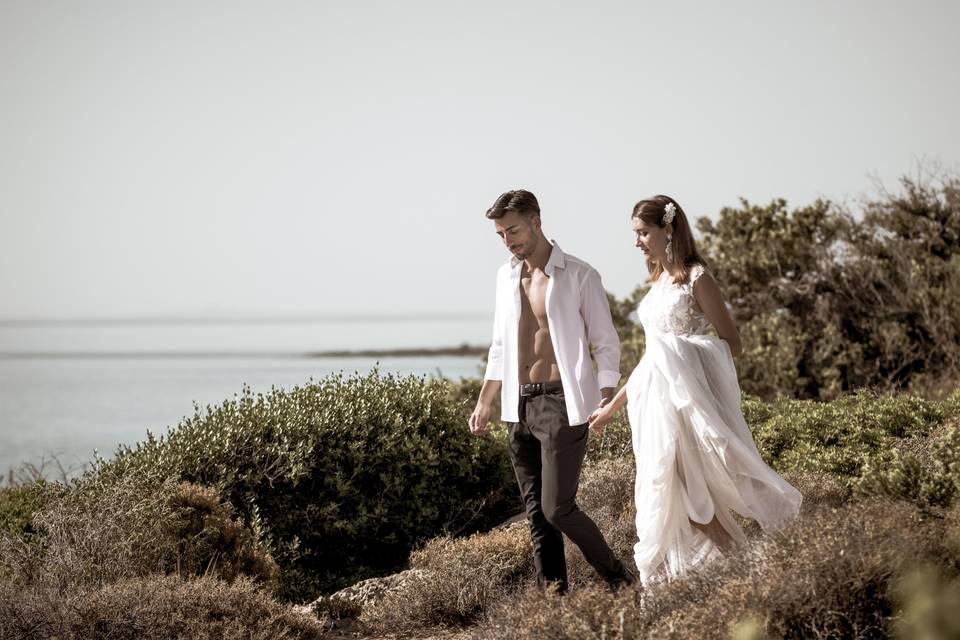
[668, 212]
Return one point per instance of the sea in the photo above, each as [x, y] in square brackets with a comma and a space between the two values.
[70, 390]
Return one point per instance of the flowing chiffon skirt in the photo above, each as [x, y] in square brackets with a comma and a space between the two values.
[695, 456]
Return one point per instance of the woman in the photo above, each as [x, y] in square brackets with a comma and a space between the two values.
[696, 460]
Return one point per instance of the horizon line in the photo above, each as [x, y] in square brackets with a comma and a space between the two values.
[461, 350]
[239, 319]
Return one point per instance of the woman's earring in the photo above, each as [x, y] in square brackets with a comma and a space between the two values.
[669, 248]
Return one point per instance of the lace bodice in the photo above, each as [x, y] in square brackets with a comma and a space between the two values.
[671, 308]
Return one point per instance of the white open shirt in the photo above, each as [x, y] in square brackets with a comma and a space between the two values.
[578, 316]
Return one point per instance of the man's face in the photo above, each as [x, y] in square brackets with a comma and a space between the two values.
[518, 233]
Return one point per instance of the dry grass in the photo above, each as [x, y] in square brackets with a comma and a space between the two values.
[96, 549]
[157, 608]
[210, 540]
[606, 495]
[457, 580]
[818, 490]
[832, 573]
[134, 527]
[460, 578]
[89, 539]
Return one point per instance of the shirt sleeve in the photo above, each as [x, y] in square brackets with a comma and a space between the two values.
[495, 355]
[601, 333]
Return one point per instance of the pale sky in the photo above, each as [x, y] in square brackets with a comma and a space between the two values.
[284, 158]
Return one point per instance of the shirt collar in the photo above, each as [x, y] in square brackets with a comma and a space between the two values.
[557, 260]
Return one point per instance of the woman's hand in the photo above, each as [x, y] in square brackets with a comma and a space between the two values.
[601, 417]
[607, 410]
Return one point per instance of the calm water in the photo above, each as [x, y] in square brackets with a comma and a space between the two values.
[69, 390]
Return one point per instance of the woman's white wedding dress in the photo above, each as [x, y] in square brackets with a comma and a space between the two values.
[695, 456]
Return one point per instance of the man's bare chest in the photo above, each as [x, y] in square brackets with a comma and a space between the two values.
[533, 294]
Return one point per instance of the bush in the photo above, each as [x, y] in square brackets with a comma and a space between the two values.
[94, 535]
[339, 479]
[930, 477]
[632, 339]
[18, 505]
[930, 605]
[829, 302]
[93, 538]
[839, 438]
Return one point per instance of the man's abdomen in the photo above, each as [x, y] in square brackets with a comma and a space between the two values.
[537, 362]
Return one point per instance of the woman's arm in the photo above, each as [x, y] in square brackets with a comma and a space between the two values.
[710, 299]
[619, 400]
[599, 418]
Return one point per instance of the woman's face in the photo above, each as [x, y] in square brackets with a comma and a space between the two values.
[651, 239]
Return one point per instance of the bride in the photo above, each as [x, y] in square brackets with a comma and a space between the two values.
[696, 461]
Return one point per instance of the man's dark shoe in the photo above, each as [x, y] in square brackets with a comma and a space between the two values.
[558, 586]
[621, 577]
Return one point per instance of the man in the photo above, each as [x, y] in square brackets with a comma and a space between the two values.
[550, 307]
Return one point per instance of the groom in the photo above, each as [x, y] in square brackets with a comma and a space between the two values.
[550, 307]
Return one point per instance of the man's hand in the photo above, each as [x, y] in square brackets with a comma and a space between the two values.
[479, 419]
[606, 396]
[601, 416]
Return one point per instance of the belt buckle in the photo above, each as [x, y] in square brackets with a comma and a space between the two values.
[531, 389]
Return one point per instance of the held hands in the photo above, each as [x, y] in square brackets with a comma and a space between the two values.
[479, 419]
[601, 416]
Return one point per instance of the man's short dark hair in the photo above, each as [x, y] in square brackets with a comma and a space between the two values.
[520, 201]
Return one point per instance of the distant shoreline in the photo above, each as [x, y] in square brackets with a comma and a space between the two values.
[462, 350]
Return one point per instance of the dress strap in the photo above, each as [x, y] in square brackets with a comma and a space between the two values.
[696, 271]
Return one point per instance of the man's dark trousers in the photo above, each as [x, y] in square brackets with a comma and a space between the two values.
[547, 455]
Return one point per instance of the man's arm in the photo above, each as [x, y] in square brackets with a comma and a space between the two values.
[493, 377]
[601, 333]
[481, 413]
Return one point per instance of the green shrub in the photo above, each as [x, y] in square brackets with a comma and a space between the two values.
[930, 605]
[828, 302]
[632, 339]
[464, 394]
[868, 301]
[838, 438]
[338, 478]
[929, 477]
[18, 505]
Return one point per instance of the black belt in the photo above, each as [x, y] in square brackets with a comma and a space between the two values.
[541, 388]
